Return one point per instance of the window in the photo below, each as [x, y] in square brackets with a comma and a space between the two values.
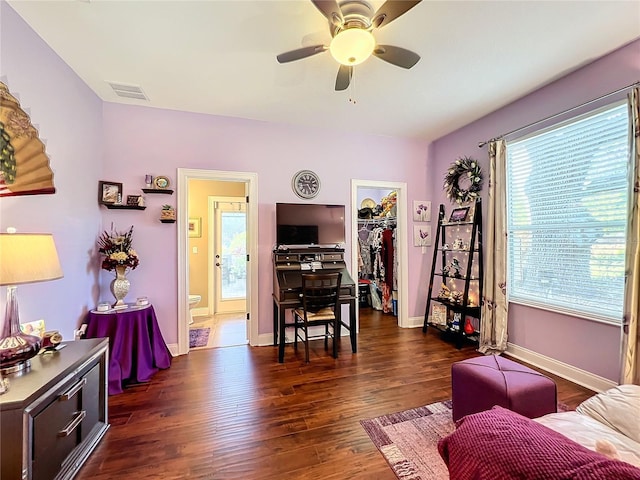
[567, 189]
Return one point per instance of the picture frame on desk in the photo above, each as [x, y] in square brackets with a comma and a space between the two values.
[109, 193]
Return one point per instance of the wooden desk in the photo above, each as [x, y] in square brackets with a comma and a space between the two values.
[279, 322]
[136, 347]
[288, 267]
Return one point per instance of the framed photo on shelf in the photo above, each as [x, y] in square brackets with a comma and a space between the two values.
[438, 314]
[134, 200]
[194, 226]
[459, 214]
[109, 192]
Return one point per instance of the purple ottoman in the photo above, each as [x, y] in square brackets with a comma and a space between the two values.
[477, 384]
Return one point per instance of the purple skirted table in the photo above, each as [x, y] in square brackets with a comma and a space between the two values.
[136, 347]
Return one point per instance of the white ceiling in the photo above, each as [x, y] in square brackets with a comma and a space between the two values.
[219, 57]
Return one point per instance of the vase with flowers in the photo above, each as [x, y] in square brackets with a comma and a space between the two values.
[119, 256]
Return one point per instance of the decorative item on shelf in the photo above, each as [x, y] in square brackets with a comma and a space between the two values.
[389, 204]
[135, 200]
[148, 181]
[167, 214]
[456, 297]
[118, 255]
[458, 244]
[459, 214]
[161, 182]
[109, 193]
[454, 268]
[463, 181]
[468, 327]
[26, 258]
[445, 292]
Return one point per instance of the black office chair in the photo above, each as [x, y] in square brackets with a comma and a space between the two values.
[320, 292]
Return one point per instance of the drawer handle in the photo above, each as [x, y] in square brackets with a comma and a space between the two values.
[73, 390]
[74, 423]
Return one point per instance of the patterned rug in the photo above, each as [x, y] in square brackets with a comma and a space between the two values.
[409, 440]
[198, 337]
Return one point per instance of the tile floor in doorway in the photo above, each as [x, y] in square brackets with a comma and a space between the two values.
[227, 329]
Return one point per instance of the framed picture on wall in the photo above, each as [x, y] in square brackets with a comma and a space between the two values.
[422, 235]
[421, 211]
[195, 227]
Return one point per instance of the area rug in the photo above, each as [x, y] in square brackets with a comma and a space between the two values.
[409, 440]
[198, 337]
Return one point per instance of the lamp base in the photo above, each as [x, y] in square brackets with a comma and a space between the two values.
[18, 368]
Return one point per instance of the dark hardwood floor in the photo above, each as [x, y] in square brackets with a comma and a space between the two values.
[236, 412]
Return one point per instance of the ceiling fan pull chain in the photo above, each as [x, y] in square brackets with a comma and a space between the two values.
[352, 87]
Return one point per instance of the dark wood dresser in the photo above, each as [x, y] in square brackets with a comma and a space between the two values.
[54, 415]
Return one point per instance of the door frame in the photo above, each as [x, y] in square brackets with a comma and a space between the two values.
[250, 180]
[213, 236]
[401, 240]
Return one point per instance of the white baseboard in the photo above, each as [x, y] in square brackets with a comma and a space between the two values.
[200, 312]
[564, 370]
[415, 322]
[173, 349]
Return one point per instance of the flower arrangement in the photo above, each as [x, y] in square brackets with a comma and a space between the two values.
[117, 251]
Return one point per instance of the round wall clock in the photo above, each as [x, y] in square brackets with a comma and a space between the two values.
[306, 184]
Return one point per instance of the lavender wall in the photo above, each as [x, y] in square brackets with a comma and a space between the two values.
[141, 140]
[68, 116]
[588, 345]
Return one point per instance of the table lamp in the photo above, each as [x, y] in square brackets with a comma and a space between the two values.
[24, 258]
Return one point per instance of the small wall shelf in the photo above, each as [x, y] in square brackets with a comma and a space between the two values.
[124, 207]
[167, 221]
[166, 191]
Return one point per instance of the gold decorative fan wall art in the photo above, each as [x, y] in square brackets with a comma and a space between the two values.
[24, 164]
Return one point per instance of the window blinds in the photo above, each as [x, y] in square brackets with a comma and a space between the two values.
[567, 208]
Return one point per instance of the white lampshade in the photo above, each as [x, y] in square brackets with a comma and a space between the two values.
[352, 46]
[28, 258]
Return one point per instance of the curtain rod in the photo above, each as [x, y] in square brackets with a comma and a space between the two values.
[482, 144]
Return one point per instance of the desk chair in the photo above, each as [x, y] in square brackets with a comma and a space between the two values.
[320, 292]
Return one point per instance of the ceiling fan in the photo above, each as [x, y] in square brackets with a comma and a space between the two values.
[351, 25]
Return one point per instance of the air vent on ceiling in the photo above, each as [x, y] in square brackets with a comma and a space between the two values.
[128, 91]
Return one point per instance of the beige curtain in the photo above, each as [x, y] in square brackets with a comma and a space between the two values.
[493, 325]
[630, 371]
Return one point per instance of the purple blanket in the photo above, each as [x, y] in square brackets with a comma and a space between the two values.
[499, 444]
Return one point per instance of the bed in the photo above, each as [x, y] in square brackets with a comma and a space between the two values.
[599, 440]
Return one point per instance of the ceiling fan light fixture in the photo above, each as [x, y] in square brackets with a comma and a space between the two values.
[352, 46]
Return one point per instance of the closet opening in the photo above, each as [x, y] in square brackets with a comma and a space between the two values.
[379, 248]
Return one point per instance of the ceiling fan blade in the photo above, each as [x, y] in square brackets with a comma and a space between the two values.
[300, 53]
[330, 9]
[344, 77]
[398, 56]
[391, 10]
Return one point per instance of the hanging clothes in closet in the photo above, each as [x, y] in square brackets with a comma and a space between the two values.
[377, 242]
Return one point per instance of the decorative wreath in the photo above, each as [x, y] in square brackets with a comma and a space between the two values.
[466, 168]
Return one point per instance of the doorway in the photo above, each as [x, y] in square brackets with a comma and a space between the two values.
[187, 179]
[228, 254]
[401, 238]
